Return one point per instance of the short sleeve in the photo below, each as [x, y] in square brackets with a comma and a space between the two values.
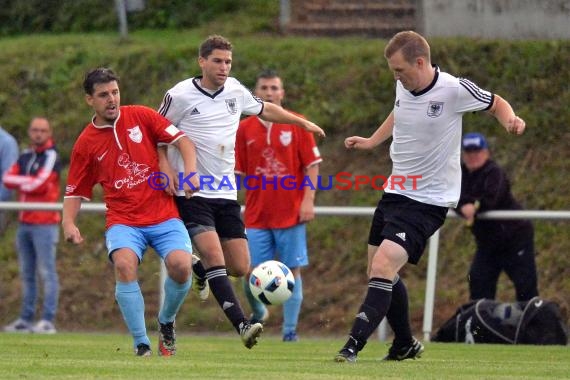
[81, 177]
[473, 98]
[172, 108]
[252, 105]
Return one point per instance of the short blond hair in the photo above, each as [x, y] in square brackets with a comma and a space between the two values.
[412, 45]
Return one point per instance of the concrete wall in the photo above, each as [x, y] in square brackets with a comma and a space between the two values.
[509, 19]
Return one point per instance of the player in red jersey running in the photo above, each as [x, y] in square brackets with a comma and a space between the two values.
[118, 150]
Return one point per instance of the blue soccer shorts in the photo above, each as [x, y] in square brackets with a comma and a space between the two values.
[164, 238]
[288, 245]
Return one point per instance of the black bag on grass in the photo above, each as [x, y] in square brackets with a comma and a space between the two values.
[536, 321]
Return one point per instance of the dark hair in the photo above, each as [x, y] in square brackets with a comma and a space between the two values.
[412, 45]
[96, 76]
[267, 74]
[212, 43]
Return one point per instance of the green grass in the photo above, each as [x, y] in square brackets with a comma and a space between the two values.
[110, 356]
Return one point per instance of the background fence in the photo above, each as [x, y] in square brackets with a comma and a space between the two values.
[433, 246]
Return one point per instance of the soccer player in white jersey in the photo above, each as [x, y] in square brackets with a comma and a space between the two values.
[425, 126]
[208, 109]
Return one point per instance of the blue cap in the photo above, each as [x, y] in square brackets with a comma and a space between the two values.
[474, 141]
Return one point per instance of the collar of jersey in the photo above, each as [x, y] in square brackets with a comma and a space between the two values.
[433, 82]
[106, 125]
[195, 81]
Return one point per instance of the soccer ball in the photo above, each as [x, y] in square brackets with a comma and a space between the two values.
[271, 282]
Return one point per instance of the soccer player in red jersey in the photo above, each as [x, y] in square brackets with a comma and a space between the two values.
[118, 150]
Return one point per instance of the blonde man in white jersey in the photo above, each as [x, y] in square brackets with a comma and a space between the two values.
[208, 109]
[425, 126]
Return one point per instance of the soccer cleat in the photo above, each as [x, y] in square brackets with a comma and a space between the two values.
[44, 327]
[346, 355]
[412, 351]
[143, 350]
[19, 325]
[199, 284]
[290, 337]
[166, 339]
[249, 333]
[253, 319]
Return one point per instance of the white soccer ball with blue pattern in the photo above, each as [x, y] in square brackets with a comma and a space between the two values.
[272, 282]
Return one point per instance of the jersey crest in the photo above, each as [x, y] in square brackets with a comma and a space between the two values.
[135, 134]
[231, 105]
[286, 137]
[434, 109]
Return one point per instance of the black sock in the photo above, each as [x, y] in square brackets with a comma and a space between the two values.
[199, 270]
[224, 293]
[371, 312]
[398, 314]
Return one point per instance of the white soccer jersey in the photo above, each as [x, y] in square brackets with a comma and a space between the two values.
[427, 138]
[211, 121]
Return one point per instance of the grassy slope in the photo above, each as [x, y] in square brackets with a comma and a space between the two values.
[345, 86]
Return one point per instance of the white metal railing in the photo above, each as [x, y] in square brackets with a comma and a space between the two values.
[351, 211]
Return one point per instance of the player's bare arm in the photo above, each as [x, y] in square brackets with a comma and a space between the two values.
[307, 209]
[276, 114]
[383, 133]
[188, 152]
[71, 208]
[503, 112]
[166, 168]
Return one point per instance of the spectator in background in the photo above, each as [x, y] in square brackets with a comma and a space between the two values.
[8, 155]
[275, 217]
[502, 245]
[36, 178]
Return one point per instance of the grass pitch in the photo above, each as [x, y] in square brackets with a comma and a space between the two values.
[110, 356]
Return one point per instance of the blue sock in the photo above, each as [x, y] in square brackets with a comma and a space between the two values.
[292, 307]
[174, 295]
[131, 302]
[257, 307]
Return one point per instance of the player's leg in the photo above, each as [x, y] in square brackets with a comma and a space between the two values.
[398, 313]
[261, 246]
[231, 230]
[387, 261]
[45, 239]
[125, 246]
[208, 221]
[400, 228]
[292, 251]
[172, 243]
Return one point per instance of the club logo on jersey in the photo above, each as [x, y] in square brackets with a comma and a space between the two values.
[435, 109]
[135, 134]
[398, 103]
[286, 137]
[231, 105]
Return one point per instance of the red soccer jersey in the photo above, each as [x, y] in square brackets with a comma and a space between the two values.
[120, 158]
[280, 153]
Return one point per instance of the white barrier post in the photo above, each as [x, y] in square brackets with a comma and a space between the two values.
[430, 285]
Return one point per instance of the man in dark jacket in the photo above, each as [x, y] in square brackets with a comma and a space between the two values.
[502, 245]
